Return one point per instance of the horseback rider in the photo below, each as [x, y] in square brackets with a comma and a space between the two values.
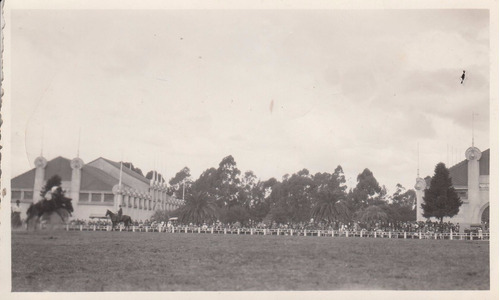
[120, 213]
[49, 201]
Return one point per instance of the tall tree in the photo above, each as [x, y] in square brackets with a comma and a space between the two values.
[331, 207]
[180, 184]
[131, 166]
[367, 191]
[441, 199]
[159, 176]
[198, 209]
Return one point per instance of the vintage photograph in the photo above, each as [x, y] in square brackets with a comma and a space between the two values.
[251, 149]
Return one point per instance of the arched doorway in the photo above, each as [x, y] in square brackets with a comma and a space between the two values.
[485, 216]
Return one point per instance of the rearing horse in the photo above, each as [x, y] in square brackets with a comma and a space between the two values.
[60, 205]
[127, 220]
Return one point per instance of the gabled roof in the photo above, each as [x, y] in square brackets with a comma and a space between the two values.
[58, 166]
[94, 179]
[459, 172]
[23, 181]
[126, 170]
[484, 163]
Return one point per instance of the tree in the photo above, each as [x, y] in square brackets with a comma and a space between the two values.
[371, 215]
[159, 176]
[130, 166]
[161, 216]
[198, 209]
[367, 191]
[331, 207]
[441, 199]
[181, 183]
[291, 200]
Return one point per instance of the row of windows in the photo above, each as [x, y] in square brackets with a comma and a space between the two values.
[96, 197]
[22, 195]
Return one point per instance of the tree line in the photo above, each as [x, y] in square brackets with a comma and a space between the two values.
[226, 194]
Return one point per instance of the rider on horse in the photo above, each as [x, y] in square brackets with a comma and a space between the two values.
[120, 213]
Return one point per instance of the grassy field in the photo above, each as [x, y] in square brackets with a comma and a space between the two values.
[121, 261]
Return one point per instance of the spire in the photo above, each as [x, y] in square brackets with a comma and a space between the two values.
[121, 171]
[78, 149]
[418, 159]
[41, 142]
[473, 115]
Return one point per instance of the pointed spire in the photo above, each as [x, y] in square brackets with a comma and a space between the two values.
[418, 159]
[78, 149]
[41, 141]
[121, 172]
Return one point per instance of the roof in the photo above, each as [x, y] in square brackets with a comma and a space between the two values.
[94, 179]
[127, 170]
[484, 163]
[459, 172]
[24, 181]
[58, 166]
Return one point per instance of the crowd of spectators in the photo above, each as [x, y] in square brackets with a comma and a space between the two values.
[411, 227]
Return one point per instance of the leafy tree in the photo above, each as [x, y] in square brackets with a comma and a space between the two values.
[228, 180]
[130, 166]
[441, 199]
[291, 200]
[403, 197]
[198, 209]
[51, 182]
[233, 214]
[371, 215]
[159, 176]
[160, 216]
[180, 182]
[331, 207]
[367, 191]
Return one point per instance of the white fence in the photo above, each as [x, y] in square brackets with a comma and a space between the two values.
[289, 232]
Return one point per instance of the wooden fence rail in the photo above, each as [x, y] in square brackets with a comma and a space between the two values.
[289, 232]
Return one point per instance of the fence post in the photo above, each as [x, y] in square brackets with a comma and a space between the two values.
[238, 231]
[361, 233]
[225, 230]
[404, 235]
[346, 233]
[435, 236]
[199, 230]
[390, 234]
[420, 235]
[278, 232]
[375, 234]
[67, 227]
[471, 235]
[305, 232]
[291, 232]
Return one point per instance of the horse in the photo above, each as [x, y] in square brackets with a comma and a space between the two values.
[60, 205]
[127, 220]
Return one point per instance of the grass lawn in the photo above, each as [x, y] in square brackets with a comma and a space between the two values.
[120, 261]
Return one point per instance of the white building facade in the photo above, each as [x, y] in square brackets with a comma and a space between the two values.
[94, 188]
[470, 178]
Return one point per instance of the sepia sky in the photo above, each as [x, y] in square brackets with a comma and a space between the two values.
[280, 90]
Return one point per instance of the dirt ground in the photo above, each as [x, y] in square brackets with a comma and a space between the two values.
[128, 261]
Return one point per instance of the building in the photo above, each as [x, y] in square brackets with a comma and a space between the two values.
[94, 187]
[471, 179]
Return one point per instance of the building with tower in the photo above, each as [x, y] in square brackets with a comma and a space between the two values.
[95, 187]
[471, 179]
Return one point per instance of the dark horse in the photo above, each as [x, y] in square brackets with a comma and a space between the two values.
[60, 205]
[127, 220]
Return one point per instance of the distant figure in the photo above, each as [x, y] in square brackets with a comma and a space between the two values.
[16, 215]
[463, 78]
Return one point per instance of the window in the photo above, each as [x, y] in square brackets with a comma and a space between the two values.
[96, 197]
[28, 195]
[109, 198]
[84, 197]
[16, 195]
